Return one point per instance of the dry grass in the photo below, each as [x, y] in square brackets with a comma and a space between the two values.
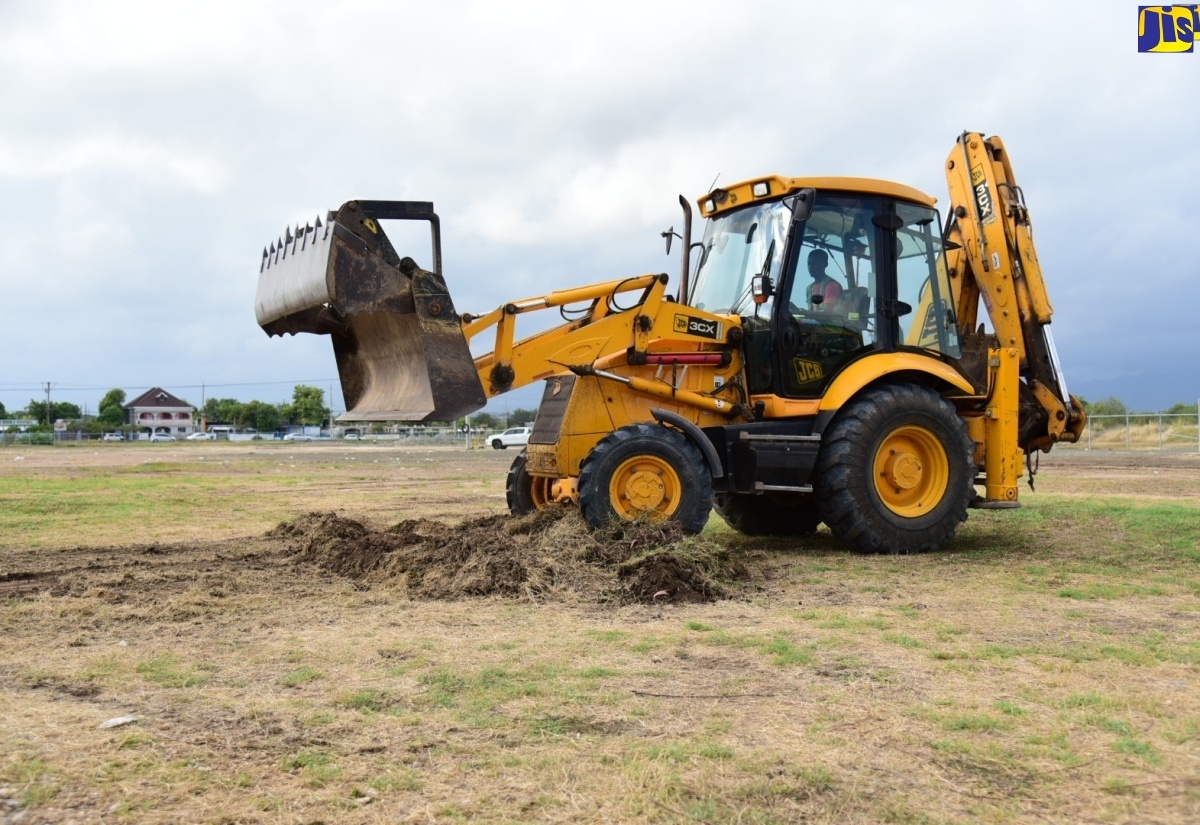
[1174, 434]
[1043, 668]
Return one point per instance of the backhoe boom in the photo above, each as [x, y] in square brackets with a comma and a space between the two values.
[992, 259]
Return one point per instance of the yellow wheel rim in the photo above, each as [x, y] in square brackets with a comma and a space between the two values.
[645, 484]
[912, 471]
[539, 491]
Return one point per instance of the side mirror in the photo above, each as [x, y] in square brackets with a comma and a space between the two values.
[668, 235]
[761, 288]
[802, 204]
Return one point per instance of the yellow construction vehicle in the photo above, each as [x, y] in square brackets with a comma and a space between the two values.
[822, 363]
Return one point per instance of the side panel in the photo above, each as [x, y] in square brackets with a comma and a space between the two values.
[766, 456]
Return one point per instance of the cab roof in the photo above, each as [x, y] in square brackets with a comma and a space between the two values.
[727, 198]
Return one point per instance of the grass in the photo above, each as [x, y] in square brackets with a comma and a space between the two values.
[1041, 668]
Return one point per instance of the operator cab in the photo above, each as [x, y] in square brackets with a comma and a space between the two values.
[824, 271]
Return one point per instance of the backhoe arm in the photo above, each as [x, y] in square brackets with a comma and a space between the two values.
[992, 260]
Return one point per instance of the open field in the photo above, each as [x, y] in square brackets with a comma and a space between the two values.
[1045, 667]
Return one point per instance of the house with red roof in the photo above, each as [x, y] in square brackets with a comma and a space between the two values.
[157, 411]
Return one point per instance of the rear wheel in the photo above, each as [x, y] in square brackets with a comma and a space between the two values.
[768, 515]
[896, 471]
[645, 470]
[525, 493]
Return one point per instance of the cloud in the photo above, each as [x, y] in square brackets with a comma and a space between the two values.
[149, 151]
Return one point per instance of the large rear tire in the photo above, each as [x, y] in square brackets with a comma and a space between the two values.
[896, 471]
[645, 470]
[768, 515]
[525, 493]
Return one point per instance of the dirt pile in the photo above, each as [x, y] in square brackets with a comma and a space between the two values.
[548, 554]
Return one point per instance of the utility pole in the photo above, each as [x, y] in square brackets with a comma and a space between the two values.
[49, 423]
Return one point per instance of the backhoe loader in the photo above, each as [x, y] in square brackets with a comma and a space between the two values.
[874, 405]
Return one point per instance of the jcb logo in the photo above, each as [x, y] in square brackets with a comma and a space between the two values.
[701, 327]
[1167, 28]
[983, 196]
[807, 371]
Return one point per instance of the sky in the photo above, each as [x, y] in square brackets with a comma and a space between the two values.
[150, 150]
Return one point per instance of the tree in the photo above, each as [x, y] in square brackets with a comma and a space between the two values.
[521, 417]
[3, 412]
[112, 408]
[223, 410]
[58, 409]
[261, 416]
[1106, 406]
[484, 421]
[1174, 409]
[308, 405]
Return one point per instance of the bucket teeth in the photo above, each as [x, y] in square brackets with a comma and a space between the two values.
[293, 241]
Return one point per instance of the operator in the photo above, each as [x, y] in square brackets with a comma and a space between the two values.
[824, 286]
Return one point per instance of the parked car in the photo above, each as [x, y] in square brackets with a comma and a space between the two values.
[201, 437]
[512, 437]
[297, 437]
[162, 437]
[352, 437]
[112, 437]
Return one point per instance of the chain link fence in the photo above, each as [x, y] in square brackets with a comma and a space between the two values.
[1140, 432]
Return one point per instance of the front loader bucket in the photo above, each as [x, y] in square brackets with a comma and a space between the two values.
[401, 354]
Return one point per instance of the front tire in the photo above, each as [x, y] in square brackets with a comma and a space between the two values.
[523, 492]
[896, 471]
[645, 470]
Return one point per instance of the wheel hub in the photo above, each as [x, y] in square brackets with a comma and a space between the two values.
[645, 484]
[902, 469]
[645, 490]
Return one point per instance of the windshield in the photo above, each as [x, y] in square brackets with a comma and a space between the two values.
[735, 248]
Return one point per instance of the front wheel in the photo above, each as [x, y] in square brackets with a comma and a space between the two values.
[523, 492]
[496, 445]
[645, 470]
[896, 471]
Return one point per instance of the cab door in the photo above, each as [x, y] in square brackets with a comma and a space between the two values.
[835, 280]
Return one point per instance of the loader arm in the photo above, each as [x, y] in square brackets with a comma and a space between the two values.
[601, 329]
[992, 259]
[403, 351]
